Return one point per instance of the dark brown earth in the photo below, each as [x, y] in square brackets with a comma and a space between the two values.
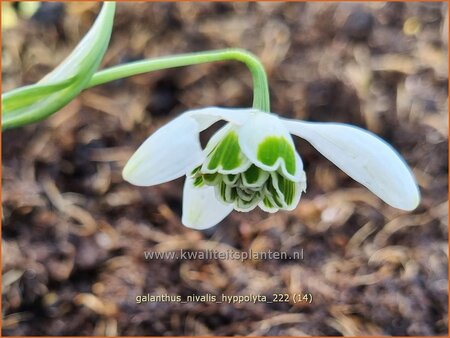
[74, 233]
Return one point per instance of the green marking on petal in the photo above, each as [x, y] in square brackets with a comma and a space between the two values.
[273, 148]
[196, 170]
[272, 194]
[270, 189]
[287, 188]
[254, 177]
[226, 154]
[277, 200]
[222, 190]
[267, 203]
[211, 179]
[252, 174]
[245, 194]
[247, 205]
[226, 193]
[284, 187]
[233, 193]
[230, 179]
[198, 182]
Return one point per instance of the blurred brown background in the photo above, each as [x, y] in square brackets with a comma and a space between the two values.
[74, 232]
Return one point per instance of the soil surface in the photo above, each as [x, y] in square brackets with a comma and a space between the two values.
[74, 233]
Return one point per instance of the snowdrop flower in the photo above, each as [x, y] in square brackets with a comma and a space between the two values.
[252, 162]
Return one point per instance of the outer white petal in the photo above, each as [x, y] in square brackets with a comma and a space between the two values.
[201, 208]
[365, 157]
[210, 115]
[259, 128]
[174, 149]
[167, 154]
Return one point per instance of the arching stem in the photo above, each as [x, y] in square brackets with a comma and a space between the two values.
[261, 99]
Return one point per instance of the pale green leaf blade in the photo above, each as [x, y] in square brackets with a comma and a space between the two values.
[66, 81]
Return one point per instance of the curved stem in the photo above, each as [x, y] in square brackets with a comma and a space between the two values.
[32, 103]
[261, 99]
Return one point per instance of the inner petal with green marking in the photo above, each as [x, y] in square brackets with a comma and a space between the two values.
[242, 183]
[274, 148]
[226, 157]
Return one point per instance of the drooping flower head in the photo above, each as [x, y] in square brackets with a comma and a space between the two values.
[252, 161]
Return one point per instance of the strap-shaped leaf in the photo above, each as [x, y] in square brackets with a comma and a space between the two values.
[25, 96]
[36, 102]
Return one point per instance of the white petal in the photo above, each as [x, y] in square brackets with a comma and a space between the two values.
[201, 209]
[267, 143]
[364, 157]
[167, 154]
[210, 115]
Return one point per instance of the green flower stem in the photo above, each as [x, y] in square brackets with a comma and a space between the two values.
[261, 99]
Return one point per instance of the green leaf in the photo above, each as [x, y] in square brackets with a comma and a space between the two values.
[36, 102]
[24, 96]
